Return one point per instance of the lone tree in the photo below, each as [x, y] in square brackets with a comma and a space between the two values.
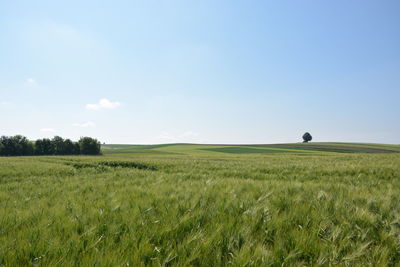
[307, 137]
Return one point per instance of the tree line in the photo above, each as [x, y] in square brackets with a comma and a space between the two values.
[19, 145]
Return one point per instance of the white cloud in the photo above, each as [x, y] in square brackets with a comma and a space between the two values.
[47, 130]
[104, 103]
[85, 124]
[30, 81]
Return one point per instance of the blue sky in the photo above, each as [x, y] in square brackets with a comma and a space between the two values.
[201, 71]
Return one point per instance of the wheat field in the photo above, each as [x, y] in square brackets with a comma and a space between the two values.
[191, 206]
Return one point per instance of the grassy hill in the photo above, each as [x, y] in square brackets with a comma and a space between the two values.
[254, 149]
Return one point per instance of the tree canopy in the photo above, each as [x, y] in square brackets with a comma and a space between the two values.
[307, 137]
[19, 145]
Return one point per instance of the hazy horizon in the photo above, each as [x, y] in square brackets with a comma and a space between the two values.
[210, 72]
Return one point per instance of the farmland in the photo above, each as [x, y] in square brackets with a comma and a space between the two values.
[203, 205]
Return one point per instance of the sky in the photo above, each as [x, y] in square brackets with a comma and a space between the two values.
[232, 72]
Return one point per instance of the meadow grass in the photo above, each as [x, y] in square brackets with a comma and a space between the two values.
[195, 207]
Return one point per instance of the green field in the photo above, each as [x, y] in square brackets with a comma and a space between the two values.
[204, 205]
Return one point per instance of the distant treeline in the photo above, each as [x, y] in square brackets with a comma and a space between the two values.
[19, 145]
